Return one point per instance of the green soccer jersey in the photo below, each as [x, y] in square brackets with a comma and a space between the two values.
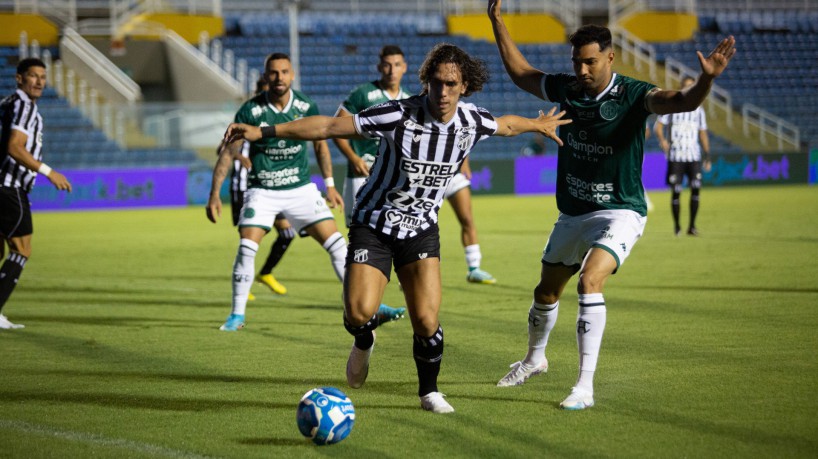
[278, 164]
[599, 166]
[365, 96]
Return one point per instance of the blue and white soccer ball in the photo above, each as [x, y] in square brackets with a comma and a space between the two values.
[325, 415]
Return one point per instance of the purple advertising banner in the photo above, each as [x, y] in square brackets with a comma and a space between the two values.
[115, 188]
[538, 174]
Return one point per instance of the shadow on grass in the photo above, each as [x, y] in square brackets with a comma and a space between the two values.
[303, 442]
[148, 402]
[723, 288]
[700, 425]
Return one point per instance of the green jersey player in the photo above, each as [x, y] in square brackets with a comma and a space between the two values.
[599, 188]
[279, 183]
[361, 153]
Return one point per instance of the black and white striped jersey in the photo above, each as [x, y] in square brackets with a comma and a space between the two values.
[417, 157]
[683, 134]
[19, 112]
[238, 180]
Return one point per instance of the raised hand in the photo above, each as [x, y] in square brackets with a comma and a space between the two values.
[549, 123]
[718, 59]
[494, 7]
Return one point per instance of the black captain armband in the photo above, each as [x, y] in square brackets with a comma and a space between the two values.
[268, 131]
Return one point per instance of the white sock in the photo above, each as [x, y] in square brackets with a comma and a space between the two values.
[590, 327]
[336, 246]
[541, 320]
[243, 269]
[473, 256]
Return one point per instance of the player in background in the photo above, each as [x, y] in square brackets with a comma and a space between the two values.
[286, 233]
[425, 139]
[688, 153]
[599, 183]
[361, 153]
[21, 155]
[279, 183]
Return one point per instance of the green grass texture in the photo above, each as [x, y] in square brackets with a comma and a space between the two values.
[709, 350]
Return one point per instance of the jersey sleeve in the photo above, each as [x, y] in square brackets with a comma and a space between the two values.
[553, 86]
[353, 103]
[664, 119]
[375, 121]
[22, 117]
[487, 125]
[244, 115]
[702, 119]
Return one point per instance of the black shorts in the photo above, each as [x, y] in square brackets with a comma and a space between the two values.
[379, 250]
[677, 171]
[15, 213]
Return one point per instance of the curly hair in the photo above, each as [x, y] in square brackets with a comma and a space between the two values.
[473, 71]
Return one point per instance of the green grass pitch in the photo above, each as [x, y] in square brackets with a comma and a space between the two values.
[709, 351]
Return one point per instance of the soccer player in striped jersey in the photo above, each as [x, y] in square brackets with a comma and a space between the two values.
[279, 183]
[21, 155]
[687, 149]
[361, 154]
[423, 141]
[599, 183]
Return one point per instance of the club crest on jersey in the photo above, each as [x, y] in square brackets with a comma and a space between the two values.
[464, 139]
[249, 212]
[256, 111]
[608, 110]
[361, 255]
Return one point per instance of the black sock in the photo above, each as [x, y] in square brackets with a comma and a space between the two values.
[674, 206]
[282, 242]
[9, 274]
[428, 354]
[364, 334]
[694, 206]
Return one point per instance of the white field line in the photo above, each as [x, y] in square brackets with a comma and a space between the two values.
[82, 437]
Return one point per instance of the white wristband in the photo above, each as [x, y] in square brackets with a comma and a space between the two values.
[329, 182]
[44, 169]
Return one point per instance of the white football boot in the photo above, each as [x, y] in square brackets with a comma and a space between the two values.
[520, 372]
[434, 402]
[358, 365]
[578, 400]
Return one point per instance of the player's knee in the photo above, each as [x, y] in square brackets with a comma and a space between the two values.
[591, 282]
[544, 295]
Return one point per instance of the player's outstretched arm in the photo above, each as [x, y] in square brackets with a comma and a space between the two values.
[523, 74]
[545, 124]
[316, 127]
[688, 99]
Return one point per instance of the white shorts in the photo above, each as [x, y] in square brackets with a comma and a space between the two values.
[303, 206]
[615, 231]
[351, 187]
[458, 182]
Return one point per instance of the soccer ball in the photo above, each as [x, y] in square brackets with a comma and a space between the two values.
[325, 415]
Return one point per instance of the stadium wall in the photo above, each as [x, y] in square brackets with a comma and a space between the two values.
[525, 175]
[661, 26]
[35, 26]
[523, 28]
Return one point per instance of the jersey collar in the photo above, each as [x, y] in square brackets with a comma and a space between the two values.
[606, 90]
[23, 95]
[286, 107]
